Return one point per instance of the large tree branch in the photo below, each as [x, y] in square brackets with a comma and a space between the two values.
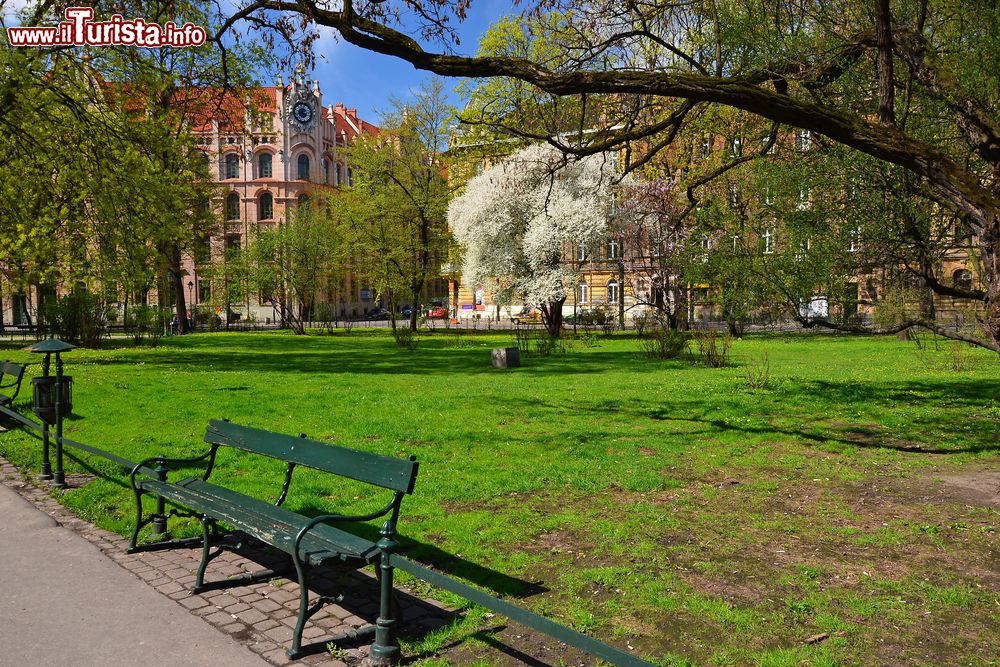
[961, 187]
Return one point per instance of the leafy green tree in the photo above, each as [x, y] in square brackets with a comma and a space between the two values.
[840, 71]
[291, 263]
[394, 213]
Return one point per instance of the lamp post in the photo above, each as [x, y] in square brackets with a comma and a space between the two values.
[51, 401]
[191, 304]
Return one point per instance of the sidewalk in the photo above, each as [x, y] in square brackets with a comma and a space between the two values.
[62, 602]
[69, 594]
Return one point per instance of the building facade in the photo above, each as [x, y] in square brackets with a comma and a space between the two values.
[278, 152]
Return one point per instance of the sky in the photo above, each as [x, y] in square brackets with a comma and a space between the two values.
[366, 81]
[361, 79]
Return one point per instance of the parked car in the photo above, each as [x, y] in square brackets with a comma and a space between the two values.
[527, 315]
[406, 311]
[437, 312]
[378, 314]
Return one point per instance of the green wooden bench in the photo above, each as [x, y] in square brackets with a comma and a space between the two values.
[11, 375]
[309, 541]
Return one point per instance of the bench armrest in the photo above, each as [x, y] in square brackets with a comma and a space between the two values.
[341, 518]
[164, 460]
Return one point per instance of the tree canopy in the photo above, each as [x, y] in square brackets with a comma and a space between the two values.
[913, 82]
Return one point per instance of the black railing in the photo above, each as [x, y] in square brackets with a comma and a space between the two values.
[541, 624]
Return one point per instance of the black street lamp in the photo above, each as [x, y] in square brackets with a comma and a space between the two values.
[191, 303]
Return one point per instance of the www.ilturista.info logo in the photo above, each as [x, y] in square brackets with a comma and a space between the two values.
[79, 30]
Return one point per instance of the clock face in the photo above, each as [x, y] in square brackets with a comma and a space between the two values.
[302, 112]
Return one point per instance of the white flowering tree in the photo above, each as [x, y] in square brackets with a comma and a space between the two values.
[515, 221]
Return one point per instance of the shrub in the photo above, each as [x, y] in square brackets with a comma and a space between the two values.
[79, 318]
[643, 321]
[405, 338]
[757, 374]
[147, 322]
[713, 348]
[664, 342]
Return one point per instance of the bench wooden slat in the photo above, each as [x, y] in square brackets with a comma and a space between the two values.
[385, 471]
[268, 523]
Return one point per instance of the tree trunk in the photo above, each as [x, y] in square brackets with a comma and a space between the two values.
[552, 316]
[174, 255]
[414, 301]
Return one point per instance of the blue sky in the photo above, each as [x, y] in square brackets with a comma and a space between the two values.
[366, 81]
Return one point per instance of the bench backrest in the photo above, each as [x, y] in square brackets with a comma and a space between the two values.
[385, 471]
[12, 369]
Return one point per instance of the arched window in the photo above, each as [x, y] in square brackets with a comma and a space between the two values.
[232, 166]
[326, 171]
[350, 176]
[303, 164]
[264, 166]
[962, 279]
[582, 292]
[204, 159]
[338, 174]
[613, 291]
[232, 206]
[304, 200]
[265, 207]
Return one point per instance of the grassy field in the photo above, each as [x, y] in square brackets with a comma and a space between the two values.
[846, 513]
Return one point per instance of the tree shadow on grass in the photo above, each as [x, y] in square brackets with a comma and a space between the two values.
[372, 355]
[978, 434]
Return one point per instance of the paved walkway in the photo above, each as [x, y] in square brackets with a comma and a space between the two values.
[69, 594]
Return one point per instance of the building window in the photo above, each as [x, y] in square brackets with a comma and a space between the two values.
[768, 239]
[265, 207]
[768, 196]
[232, 246]
[803, 250]
[203, 250]
[338, 176]
[612, 291]
[734, 195]
[581, 253]
[232, 206]
[326, 171]
[304, 201]
[614, 250]
[802, 140]
[264, 166]
[854, 240]
[232, 166]
[350, 176]
[962, 279]
[803, 203]
[20, 309]
[706, 146]
[582, 295]
[204, 290]
[303, 164]
[737, 147]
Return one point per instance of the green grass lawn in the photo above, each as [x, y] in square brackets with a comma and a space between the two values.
[659, 505]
